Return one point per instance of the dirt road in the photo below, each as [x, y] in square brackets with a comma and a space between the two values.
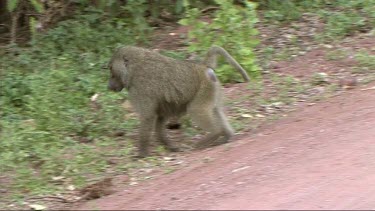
[320, 157]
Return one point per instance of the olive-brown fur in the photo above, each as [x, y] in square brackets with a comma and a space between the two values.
[160, 87]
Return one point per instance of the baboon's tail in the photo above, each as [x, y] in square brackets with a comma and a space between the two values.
[211, 60]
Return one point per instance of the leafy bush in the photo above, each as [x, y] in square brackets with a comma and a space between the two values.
[340, 24]
[233, 28]
[351, 16]
[289, 10]
[281, 10]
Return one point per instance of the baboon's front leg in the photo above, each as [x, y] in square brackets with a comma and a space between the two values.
[145, 131]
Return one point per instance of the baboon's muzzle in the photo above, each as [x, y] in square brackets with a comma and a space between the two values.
[114, 88]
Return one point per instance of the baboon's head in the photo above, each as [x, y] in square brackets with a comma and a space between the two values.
[117, 68]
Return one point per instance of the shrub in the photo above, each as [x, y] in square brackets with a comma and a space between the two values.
[232, 27]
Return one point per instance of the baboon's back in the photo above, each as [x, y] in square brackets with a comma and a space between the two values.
[162, 77]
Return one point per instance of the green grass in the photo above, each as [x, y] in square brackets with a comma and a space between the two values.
[336, 54]
[365, 60]
[49, 126]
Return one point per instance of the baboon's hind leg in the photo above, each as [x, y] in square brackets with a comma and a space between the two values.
[212, 120]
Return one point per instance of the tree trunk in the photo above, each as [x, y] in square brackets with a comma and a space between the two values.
[14, 26]
[4, 15]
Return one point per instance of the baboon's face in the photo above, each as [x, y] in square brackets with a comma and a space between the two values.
[114, 83]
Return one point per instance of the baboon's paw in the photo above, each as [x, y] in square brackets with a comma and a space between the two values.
[206, 144]
[201, 145]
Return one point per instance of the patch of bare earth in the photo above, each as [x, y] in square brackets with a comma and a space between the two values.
[316, 60]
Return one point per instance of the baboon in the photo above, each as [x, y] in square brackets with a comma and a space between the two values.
[161, 87]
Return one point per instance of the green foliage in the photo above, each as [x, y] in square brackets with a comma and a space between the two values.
[285, 10]
[289, 10]
[174, 54]
[44, 117]
[168, 10]
[337, 54]
[320, 78]
[232, 27]
[342, 17]
[341, 24]
[33, 26]
[157, 7]
[12, 5]
[351, 17]
[37, 5]
[49, 126]
[135, 11]
[366, 62]
[88, 33]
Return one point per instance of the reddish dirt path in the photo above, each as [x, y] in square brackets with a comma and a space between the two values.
[320, 157]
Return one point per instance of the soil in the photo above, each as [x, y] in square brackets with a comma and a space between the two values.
[316, 60]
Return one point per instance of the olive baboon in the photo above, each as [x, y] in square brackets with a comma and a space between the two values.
[161, 87]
